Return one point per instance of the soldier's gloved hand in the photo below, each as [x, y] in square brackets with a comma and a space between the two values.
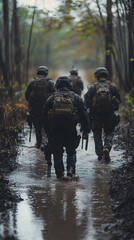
[85, 135]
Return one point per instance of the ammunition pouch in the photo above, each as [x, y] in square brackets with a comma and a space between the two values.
[53, 117]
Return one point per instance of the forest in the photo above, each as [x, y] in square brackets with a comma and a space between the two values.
[83, 34]
[79, 33]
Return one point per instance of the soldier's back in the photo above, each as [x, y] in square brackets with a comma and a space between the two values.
[77, 84]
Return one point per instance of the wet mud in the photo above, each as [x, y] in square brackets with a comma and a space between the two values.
[44, 208]
[122, 183]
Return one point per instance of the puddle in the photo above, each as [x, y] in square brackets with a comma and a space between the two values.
[55, 210]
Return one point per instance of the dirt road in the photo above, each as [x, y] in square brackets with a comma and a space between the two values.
[54, 210]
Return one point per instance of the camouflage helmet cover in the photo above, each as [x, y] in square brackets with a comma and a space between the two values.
[101, 71]
[74, 71]
[63, 81]
[42, 70]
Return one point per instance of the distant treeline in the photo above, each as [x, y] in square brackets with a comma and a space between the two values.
[77, 33]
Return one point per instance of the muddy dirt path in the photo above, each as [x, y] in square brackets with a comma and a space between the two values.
[53, 210]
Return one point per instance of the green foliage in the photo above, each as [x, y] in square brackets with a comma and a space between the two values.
[12, 118]
[129, 101]
[127, 109]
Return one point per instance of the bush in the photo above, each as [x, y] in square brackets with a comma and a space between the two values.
[11, 123]
[127, 109]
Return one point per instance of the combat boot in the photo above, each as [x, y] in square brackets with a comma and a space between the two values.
[100, 157]
[106, 155]
[65, 178]
[75, 177]
[72, 175]
[71, 161]
[70, 172]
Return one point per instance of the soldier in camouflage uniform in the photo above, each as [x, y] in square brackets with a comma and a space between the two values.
[77, 83]
[61, 113]
[38, 90]
[103, 119]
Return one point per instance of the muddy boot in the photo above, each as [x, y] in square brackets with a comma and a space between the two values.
[71, 161]
[100, 157]
[70, 172]
[49, 171]
[106, 155]
[64, 179]
[72, 175]
[75, 177]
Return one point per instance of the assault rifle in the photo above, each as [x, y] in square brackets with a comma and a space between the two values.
[29, 121]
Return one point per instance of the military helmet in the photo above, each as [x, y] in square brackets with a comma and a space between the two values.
[42, 70]
[101, 72]
[74, 71]
[63, 81]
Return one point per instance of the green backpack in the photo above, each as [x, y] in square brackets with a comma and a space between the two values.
[102, 100]
[64, 112]
[76, 82]
[39, 92]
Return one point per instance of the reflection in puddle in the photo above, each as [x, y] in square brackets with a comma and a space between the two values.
[53, 210]
[28, 225]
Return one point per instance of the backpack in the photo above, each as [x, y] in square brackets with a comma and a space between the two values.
[64, 112]
[39, 92]
[76, 81]
[102, 100]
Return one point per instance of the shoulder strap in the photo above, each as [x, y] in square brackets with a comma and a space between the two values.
[56, 94]
[96, 84]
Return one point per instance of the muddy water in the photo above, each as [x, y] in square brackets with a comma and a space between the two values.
[54, 210]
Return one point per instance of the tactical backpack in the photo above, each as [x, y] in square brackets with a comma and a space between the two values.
[64, 112]
[102, 100]
[76, 81]
[39, 92]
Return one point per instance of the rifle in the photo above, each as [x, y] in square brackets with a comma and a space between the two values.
[29, 120]
[30, 133]
[86, 145]
[82, 142]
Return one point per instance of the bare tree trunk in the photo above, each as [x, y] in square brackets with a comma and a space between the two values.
[122, 84]
[121, 32]
[109, 38]
[29, 45]
[6, 41]
[2, 64]
[17, 44]
[131, 43]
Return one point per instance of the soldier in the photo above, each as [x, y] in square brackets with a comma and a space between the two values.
[76, 81]
[38, 90]
[61, 114]
[102, 99]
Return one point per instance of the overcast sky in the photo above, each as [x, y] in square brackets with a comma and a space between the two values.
[48, 4]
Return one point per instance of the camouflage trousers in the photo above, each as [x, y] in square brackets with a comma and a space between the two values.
[37, 122]
[102, 141]
[103, 126]
[59, 142]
